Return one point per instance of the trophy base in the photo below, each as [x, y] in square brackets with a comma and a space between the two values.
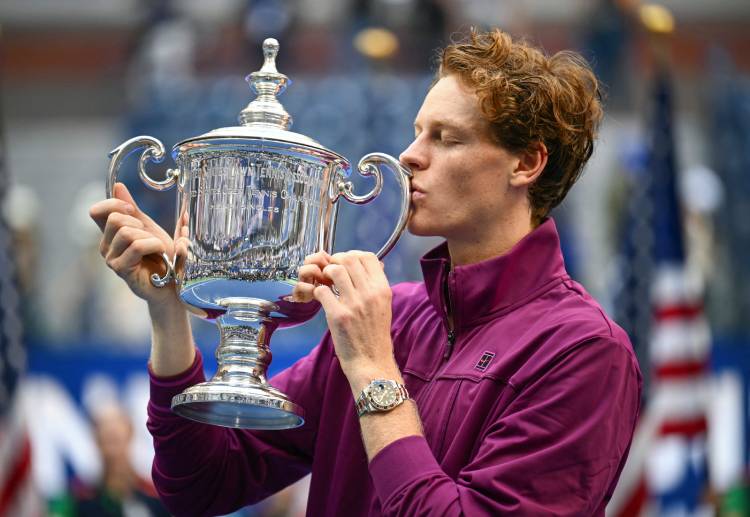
[241, 407]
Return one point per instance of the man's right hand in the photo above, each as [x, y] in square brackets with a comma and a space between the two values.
[132, 244]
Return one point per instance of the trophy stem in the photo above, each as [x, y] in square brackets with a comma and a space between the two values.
[239, 395]
[243, 354]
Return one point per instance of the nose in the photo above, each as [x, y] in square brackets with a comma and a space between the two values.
[414, 156]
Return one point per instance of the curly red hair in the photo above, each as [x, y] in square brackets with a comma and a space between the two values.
[529, 97]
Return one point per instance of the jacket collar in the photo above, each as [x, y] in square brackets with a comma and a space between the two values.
[486, 288]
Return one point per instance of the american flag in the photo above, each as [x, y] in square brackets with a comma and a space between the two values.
[666, 473]
[17, 496]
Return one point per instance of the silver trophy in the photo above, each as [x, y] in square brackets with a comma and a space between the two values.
[254, 201]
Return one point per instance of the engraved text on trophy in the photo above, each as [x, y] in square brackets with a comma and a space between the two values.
[254, 213]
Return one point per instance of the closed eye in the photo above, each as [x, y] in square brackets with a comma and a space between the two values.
[449, 140]
[441, 135]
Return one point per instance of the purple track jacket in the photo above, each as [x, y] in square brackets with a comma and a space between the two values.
[530, 410]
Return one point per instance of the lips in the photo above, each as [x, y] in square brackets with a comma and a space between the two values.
[416, 193]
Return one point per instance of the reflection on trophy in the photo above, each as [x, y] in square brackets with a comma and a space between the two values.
[254, 201]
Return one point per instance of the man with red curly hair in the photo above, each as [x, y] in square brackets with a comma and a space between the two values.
[497, 386]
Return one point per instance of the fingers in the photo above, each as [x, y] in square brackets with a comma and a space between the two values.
[353, 267]
[327, 299]
[347, 271]
[372, 264]
[126, 243]
[122, 202]
[124, 237]
[320, 259]
[134, 254]
[303, 292]
[181, 246]
[117, 222]
[122, 211]
[100, 211]
[339, 276]
[121, 192]
[365, 269]
[356, 270]
[358, 276]
[132, 243]
[312, 274]
[312, 270]
[182, 228]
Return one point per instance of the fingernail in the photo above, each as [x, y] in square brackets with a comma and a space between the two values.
[129, 209]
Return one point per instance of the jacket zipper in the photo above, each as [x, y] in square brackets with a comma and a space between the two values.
[448, 310]
[449, 345]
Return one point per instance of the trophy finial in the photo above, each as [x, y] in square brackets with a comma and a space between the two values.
[267, 83]
[270, 51]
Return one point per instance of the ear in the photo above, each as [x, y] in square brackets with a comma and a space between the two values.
[531, 163]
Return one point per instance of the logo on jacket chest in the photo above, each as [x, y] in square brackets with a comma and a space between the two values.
[484, 361]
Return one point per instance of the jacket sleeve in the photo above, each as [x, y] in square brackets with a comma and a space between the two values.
[202, 469]
[556, 449]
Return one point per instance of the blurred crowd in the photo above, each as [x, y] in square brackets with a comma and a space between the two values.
[79, 77]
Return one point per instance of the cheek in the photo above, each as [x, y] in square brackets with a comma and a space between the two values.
[470, 186]
[480, 197]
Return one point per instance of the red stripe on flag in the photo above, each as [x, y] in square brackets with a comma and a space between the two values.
[678, 311]
[637, 501]
[679, 370]
[17, 474]
[687, 428]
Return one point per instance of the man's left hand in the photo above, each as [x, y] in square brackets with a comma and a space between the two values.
[359, 318]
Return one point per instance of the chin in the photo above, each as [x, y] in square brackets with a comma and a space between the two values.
[420, 229]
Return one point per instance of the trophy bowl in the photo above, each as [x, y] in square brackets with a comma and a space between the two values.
[253, 201]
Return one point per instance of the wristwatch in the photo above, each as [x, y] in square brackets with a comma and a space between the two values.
[381, 395]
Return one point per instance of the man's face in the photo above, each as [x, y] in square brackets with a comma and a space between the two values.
[461, 177]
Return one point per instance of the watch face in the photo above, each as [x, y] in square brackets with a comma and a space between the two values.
[383, 394]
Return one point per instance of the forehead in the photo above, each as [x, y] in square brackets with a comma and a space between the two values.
[450, 101]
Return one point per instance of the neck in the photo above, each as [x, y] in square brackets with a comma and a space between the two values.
[493, 241]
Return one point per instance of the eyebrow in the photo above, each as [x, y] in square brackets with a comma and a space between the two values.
[446, 124]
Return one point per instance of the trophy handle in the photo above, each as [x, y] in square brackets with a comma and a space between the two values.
[151, 150]
[369, 166]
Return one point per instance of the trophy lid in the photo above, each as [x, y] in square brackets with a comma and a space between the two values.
[264, 118]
